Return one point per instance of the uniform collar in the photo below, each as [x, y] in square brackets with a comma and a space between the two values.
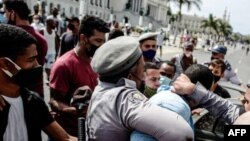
[122, 82]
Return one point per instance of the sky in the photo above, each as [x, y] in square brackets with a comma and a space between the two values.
[239, 12]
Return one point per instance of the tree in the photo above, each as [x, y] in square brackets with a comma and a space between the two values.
[211, 23]
[188, 3]
[224, 29]
[180, 4]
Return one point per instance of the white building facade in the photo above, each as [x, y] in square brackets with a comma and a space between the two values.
[100, 8]
[153, 11]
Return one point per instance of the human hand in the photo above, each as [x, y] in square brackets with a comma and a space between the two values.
[72, 138]
[197, 111]
[183, 86]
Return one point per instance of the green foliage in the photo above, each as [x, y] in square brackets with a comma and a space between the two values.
[212, 23]
[224, 28]
[188, 3]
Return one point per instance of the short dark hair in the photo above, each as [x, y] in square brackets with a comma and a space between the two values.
[74, 19]
[200, 73]
[91, 23]
[55, 11]
[19, 6]
[14, 41]
[150, 65]
[168, 63]
[219, 62]
[115, 33]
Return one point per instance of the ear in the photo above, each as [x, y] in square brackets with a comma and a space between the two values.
[82, 40]
[4, 67]
[12, 14]
[130, 76]
[222, 75]
[3, 64]
[7, 65]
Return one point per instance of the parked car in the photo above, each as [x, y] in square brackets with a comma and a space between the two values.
[207, 127]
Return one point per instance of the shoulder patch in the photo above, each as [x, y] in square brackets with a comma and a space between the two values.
[137, 97]
[228, 66]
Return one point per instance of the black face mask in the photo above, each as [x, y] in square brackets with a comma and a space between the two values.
[29, 77]
[91, 50]
[216, 78]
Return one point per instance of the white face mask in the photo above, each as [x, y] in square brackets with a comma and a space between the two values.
[188, 53]
[7, 72]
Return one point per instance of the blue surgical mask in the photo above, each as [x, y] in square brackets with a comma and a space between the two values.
[3, 19]
[149, 54]
[165, 80]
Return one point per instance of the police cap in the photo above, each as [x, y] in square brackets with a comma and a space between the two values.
[220, 49]
[116, 56]
[148, 35]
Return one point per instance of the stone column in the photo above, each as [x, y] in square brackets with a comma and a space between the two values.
[83, 8]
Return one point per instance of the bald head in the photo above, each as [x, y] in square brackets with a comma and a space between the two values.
[243, 119]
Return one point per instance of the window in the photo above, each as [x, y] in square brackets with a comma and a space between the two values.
[71, 10]
[59, 7]
[100, 3]
[91, 12]
[76, 11]
[91, 2]
[96, 2]
[108, 4]
[51, 8]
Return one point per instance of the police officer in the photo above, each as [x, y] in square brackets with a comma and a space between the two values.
[219, 52]
[117, 107]
[149, 47]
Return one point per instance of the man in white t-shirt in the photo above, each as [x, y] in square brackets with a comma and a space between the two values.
[23, 114]
[51, 38]
[37, 24]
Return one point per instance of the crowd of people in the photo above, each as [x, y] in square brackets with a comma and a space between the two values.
[135, 95]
